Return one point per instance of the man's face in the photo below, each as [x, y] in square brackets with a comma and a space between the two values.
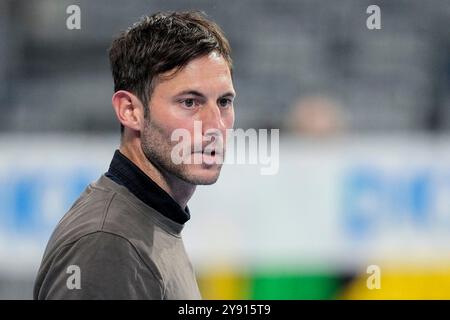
[201, 91]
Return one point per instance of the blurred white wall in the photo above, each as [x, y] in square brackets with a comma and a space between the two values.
[334, 204]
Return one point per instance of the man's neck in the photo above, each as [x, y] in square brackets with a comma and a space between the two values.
[178, 189]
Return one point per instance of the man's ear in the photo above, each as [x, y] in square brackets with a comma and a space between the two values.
[129, 109]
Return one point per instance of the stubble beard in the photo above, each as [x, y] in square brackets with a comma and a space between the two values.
[157, 148]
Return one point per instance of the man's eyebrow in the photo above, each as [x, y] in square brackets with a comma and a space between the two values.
[201, 95]
[191, 92]
[228, 94]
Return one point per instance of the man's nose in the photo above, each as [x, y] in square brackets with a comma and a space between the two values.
[212, 118]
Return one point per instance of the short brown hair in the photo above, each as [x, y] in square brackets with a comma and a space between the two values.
[159, 43]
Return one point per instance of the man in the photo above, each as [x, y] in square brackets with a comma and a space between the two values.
[122, 238]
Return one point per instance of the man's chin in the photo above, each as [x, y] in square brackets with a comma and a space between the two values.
[202, 175]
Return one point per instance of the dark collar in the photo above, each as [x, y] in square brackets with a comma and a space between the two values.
[124, 172]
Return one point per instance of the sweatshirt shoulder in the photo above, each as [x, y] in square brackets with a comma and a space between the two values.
[86, 215]
[102, 208]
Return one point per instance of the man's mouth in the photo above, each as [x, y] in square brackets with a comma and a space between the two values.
[210, 157]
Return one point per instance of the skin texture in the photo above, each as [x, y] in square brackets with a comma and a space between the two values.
[147, 141]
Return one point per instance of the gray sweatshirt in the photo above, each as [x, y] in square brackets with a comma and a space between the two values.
[112, 245]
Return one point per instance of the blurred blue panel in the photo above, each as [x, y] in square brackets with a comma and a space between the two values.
[25, 200]
[362, 190]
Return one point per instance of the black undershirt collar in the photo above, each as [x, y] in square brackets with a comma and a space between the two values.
[124, 172]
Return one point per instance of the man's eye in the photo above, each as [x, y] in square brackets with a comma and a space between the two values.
[224, 102]
[189, 103]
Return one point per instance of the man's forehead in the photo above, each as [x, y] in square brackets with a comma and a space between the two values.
[209, 72]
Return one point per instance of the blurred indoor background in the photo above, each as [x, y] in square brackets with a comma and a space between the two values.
[364, 158]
